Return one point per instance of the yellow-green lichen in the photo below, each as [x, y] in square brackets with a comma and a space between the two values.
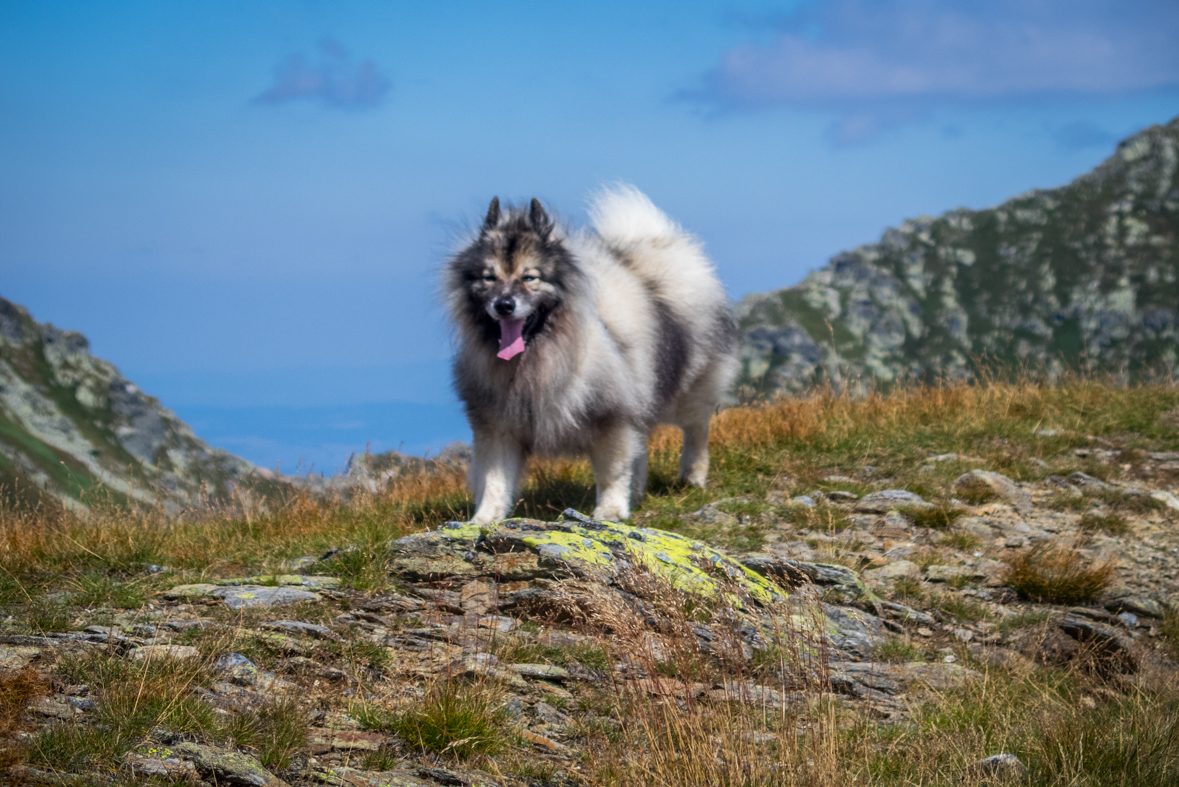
[688, 565]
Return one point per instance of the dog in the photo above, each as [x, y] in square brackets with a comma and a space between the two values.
[581, 342]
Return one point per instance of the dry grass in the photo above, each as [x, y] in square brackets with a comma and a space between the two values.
[1056, 574]
[652, 723]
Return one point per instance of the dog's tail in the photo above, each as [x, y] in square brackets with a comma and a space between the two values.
[623, 217]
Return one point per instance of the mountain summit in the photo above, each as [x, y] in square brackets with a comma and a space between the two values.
[72, 425]
[1085, 275]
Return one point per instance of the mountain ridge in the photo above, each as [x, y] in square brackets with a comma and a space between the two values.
[72, 425]
[1085, 274]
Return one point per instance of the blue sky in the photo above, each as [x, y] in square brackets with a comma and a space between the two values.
[243, 205]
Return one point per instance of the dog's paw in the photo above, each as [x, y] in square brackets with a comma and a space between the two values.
[611, 514]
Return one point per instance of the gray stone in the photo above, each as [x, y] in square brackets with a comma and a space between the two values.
[177, 652]
[892, 609]
[1003, 487]
[897, 569]
[889, 499]
[298, 627]
[839, 496]
[188, 592]
[541, 671]
[18, 657]
[998, 768]
[257, 596]
[949, 573]
[853, 634]
[1087, 481]
[1112, 648]
[1139, 605]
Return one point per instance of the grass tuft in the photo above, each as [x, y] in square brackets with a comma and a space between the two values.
[940, 516]
[974, 491]
[1111, 522]
[1057, 575]
[898, 650]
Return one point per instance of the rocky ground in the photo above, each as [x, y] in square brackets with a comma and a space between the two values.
[865, 600]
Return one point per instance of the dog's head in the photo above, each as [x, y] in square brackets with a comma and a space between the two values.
[509, 282]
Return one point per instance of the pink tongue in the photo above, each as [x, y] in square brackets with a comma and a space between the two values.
[511, 338]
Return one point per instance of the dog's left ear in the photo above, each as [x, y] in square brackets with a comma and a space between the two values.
[540, 220]
[492, 215]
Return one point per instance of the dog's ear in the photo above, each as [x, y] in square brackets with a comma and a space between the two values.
[492, 215]
[540, 220]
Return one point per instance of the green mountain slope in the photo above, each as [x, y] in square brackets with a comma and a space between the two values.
[1082, 275]
[72, 426]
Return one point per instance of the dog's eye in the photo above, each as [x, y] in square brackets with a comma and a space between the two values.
[489, 277]
[529, 277]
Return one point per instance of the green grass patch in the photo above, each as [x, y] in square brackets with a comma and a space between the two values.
[276, 731]
[939, 516]
[961, 608]
[1111, 522]
[897, 650]
[455, 719]
[962, 540]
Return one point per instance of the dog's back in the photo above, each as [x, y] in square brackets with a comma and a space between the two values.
[696, 334]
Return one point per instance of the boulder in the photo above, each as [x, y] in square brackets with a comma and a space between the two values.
[890, 499]
[1001, 486]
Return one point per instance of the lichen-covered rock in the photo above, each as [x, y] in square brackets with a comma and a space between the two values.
[240, 597]
[889, 500]
[228, 767]
[576, 545]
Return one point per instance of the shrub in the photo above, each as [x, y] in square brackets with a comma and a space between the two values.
[1057, 575]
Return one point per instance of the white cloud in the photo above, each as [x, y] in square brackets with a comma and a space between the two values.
[877, 63]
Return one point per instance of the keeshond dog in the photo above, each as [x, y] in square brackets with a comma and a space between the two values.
[580, 342]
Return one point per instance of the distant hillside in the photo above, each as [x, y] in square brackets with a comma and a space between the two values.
[71, 425]
[1082, 275]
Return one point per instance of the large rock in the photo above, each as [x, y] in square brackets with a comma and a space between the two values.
[576, 546]
[240, 597]
[890, 499]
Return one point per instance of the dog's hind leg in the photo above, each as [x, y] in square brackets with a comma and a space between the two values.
[694, 455]
[615, 457]
[638, 477]
[693, 412]
[496, 467]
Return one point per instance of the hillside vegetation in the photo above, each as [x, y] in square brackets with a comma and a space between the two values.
[961, 571]
[1081, 276]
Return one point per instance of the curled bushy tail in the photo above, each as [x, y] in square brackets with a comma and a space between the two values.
[623, 216]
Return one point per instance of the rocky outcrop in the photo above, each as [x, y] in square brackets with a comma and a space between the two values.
[72, 426]
[1082, 275]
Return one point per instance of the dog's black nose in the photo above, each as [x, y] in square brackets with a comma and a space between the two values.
[505, 306]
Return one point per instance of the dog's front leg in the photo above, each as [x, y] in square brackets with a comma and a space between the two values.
[613, 456]
[495, 476]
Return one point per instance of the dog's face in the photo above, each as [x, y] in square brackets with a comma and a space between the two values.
[514, 276]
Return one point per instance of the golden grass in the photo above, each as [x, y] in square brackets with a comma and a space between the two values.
[1056, 574]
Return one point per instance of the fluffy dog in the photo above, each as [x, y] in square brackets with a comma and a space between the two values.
[576, 342]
